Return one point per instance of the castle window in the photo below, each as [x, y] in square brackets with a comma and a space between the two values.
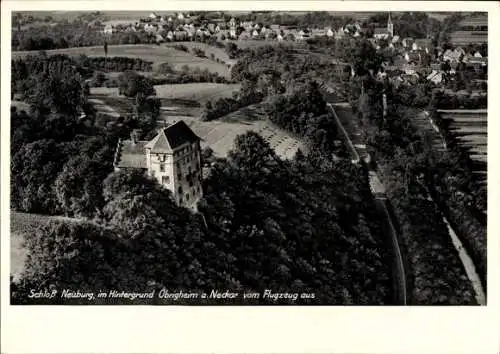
[189, 170]
[187, 196]
[165, 179]
[179, 176]
[180, 190]
[162, 167]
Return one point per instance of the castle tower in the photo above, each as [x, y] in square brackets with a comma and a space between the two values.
[173, 157]
[390, 26]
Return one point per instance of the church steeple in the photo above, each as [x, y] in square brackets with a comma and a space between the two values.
[390, 26]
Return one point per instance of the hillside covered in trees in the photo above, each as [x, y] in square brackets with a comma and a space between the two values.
[307, 225]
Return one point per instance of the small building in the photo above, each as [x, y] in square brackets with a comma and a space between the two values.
[244, 36]
[108, 29]
[413, 57]
[423, 44]
[172, 157]
[180, 35]
[407, 42]
[454, 56]
[232, 33]
[153, 16]
[380, 33]
[435, 77]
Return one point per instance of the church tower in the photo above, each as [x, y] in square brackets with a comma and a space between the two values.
[390, 26]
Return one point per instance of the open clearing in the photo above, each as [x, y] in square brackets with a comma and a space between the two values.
[220, 134]
[196, 91]
[201, 91]
[154, 53]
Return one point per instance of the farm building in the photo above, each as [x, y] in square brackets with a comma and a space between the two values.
[435, 77]
[454, 56]
[172, 157]
[108, 29]
[423, 44]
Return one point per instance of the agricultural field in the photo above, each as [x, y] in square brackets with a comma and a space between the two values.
[154, 53]
[220, 134]
[192, 92]
[196, 91]
[471, 129]
[208, 49]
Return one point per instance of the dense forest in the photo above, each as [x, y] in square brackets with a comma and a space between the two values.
[317, 233]
[414, 171]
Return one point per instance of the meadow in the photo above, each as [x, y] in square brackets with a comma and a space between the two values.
[200, 92]
[219, 134]
[155, 53]
[208, 49]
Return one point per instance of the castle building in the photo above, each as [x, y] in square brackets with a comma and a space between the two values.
[172, 157]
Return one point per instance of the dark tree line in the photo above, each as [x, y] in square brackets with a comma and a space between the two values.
[76, 34]
[312, 235]
[114, 63]
[248, 94]
[412, 167]
[60, 151]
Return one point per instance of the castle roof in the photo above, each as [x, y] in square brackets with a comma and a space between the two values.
[170, 138]
[131, 155]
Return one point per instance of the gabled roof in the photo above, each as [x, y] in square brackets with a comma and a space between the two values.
[380, 30]
[131, 155]
[172, 137]
[423, 42]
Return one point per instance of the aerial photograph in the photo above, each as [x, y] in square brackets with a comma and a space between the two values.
[214, 158]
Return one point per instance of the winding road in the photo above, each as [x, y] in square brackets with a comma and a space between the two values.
[352, 136]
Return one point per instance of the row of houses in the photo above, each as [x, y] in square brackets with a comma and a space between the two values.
[188, 31]
[407, 69]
